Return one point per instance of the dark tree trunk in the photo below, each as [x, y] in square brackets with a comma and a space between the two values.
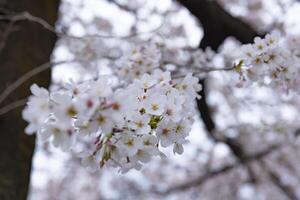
[217, 25]
[27, 45]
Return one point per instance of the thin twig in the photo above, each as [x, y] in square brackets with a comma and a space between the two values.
[9, 29]
[12, 106]
[203, 178]
[285, 189]
[12, 87]
[27, 16]
[204, 70]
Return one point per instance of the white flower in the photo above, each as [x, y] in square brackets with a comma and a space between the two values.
[183, 128]
[274, 59]
[173, 112]
[86, 128]
[142, 156]
[161, 77]
[64, 109]
[190, 86]
[101, 87]
[130, 144]
[147, 81]
[104, 121]
[166, 133]
[260, 45]
[248, 51]
[62, 138]
[272, 39]
[140, 123]
[35, 122]
[37, 109]
[156, 104]
[150, 143]
[77, 89]
[174, 97]
[123, 106]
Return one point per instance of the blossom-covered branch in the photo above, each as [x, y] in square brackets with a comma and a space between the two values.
[124, 125]
[124, 122]
[272, 61]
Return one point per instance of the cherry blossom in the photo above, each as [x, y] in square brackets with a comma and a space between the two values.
[124, 125]
[38, 109]
[271, 61]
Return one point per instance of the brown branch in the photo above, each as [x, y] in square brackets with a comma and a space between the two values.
[9, 28]
[33, 72]
[6, 109]
[29, 17]
[212, 174]
[204, 70]
[285, 189]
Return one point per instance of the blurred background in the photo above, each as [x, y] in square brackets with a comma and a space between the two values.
[244, 143]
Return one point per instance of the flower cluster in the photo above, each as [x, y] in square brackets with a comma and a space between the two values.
[141, 59]
[123, 126]
[271, 61]
[203, 58]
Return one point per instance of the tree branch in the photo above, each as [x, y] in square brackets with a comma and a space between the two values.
[23, 16]
[22, 79]
[207, 176]
[217, 25]
[285, 189]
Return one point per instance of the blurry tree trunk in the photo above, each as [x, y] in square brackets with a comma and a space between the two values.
[217, 26]
[23, 46]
